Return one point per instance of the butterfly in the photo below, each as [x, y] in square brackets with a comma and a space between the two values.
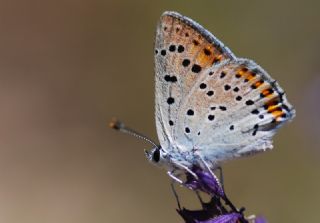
[210, 106]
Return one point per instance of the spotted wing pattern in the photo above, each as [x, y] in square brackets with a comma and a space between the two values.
[207, 99]
[235, 111]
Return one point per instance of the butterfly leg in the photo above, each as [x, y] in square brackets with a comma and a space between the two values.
[186, 169]
[174, 177]
[221, 177]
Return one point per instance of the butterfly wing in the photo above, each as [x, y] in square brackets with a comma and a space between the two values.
[241, 115]
[183, 50]
[207, 99]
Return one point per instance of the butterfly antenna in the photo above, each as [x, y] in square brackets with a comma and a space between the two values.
[119, 126]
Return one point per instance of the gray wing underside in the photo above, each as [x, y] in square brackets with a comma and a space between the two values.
[207, 99]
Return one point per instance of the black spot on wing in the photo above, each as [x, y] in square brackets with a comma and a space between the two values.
[190, 112]
[196, 68]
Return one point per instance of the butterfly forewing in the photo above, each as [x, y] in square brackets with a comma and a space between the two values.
[183, 50]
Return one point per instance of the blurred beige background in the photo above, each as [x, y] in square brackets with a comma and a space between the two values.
[67, 67]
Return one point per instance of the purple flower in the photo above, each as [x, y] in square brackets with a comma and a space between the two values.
[260, 219]
[226, 218]
[211, 212]
[206, 182]
[220, 209]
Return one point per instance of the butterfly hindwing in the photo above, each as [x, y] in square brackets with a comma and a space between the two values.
[235, 111]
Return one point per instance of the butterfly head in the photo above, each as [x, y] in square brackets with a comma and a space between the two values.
[157, 156]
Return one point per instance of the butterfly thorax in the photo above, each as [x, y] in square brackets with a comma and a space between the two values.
[172, 160]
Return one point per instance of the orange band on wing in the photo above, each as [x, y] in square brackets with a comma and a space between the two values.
[257, 84]
[266, 93]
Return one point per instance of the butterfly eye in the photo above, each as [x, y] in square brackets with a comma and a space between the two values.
[156, 155]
